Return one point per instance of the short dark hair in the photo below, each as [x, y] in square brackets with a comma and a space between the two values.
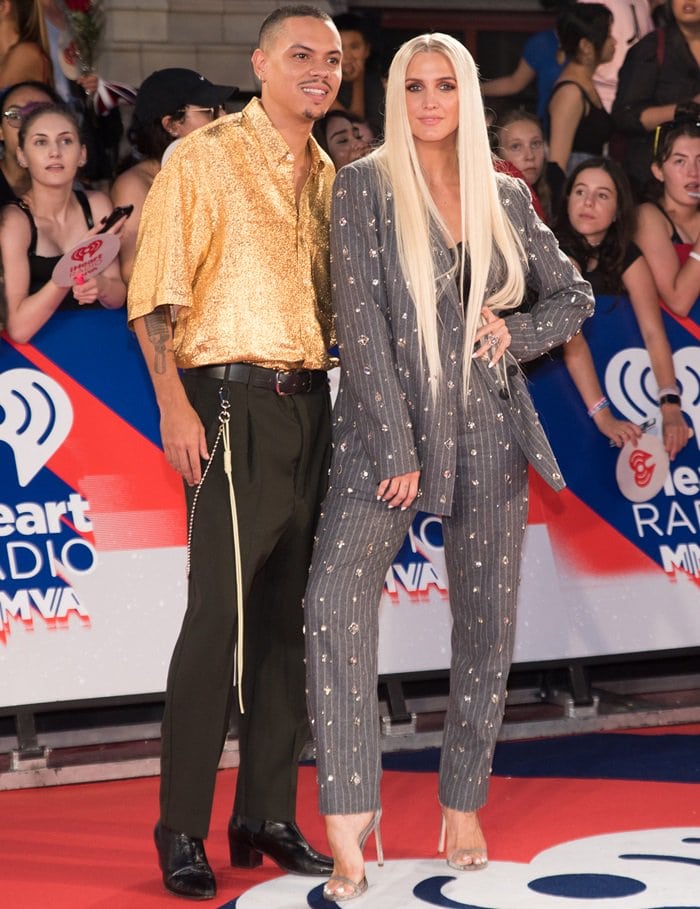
[583, 20]
[352, 22]
[611, 252]
[29, 83]
[277, 17]
[150, 139]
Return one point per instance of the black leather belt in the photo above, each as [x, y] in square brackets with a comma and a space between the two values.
[298, 381]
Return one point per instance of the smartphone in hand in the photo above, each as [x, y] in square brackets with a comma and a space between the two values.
[115, 215]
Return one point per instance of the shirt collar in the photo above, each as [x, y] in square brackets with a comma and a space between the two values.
[273, 144]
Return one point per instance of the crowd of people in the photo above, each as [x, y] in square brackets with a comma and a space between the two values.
[632, 229]
[443, 254]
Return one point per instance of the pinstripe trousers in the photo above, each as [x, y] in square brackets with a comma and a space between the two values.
[357, 539]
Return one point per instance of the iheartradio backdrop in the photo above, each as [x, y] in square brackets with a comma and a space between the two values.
[92, 523]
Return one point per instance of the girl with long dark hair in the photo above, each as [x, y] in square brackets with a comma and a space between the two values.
[595, 228]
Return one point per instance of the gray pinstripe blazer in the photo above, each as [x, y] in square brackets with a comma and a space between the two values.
[385, 421]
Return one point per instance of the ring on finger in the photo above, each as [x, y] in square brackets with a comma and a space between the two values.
[493, 341]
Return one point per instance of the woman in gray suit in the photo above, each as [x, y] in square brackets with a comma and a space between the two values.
[429, 245]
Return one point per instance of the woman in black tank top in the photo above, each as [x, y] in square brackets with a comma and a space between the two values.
[579, 125]
[47, 222]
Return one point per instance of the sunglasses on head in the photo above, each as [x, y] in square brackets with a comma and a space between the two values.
[16, 115]
[663, 129]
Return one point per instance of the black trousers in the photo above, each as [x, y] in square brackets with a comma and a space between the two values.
[280, 454]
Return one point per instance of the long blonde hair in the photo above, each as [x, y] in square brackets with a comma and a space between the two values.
[487, 233]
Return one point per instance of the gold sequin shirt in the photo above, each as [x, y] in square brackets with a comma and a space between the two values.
[224, 243]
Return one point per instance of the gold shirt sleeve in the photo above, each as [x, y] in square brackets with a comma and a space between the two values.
[172, 241]
[223, 239]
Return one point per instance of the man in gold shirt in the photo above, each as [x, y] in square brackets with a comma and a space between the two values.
[234, 247]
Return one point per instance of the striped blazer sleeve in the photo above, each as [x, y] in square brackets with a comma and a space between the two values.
[564, 299]
[361, 269]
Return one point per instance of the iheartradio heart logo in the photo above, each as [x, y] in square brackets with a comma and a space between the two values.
[642, 469]
[87, 251]
[88, 258]
[643, 466]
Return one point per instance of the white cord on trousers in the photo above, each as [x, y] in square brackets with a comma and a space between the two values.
[225, 436]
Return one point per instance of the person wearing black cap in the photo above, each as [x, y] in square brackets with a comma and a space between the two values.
[234, 247]
[170, 104]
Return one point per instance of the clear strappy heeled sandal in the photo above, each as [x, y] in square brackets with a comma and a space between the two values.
[474, 859]
[349, 889]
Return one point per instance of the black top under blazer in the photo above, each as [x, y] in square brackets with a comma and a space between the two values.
[385, 421]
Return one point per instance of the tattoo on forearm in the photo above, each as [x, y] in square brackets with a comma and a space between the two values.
[159, 332]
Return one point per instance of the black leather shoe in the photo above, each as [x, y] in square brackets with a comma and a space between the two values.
[184, 864]
[283, 842]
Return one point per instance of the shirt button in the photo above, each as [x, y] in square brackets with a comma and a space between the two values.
[512, 369]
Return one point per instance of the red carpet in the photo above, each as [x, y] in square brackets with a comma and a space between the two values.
[90, 846]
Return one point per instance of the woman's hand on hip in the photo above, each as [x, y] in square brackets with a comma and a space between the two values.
[492, 339]
[399, 491]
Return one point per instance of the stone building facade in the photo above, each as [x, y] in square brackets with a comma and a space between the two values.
[214, 37]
